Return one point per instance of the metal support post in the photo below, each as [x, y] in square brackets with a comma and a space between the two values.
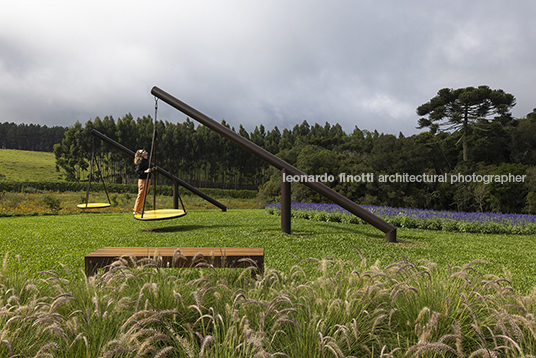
[285, 204]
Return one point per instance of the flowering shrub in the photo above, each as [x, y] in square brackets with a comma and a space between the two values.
[485, 223]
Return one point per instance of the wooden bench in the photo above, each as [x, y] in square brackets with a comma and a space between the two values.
[179, 256]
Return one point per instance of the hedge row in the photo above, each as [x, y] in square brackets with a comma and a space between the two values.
[38, 186]
[402, 221]
[34, 187]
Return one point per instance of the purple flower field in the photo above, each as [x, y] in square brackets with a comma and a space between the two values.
[389, 212]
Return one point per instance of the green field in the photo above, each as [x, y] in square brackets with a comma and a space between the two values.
[328, 289]
[22, 165]
[363, 297]
[43, 242]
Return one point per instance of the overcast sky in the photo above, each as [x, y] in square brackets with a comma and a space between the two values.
[364, 63]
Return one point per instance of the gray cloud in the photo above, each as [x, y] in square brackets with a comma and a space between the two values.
[353, 62]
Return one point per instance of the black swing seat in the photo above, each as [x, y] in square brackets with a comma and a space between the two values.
[93, 205]
[161, 214]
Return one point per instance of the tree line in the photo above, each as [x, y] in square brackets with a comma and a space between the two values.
[194, 153]
[500, 150]
[33, 137]
[472, 137]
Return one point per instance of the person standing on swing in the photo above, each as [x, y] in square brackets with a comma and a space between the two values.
[142, 169]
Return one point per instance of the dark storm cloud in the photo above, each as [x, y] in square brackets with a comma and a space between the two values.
[364, 63]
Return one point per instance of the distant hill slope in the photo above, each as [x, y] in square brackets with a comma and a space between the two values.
[23, 165]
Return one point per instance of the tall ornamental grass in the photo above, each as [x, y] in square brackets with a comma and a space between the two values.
[484, 223]
[348, 309]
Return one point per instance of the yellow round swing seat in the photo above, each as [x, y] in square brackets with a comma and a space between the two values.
[93, 205]
[162, 214]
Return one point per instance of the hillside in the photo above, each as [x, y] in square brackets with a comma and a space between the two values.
[22, 165]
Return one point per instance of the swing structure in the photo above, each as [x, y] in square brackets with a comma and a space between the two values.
[286, 169]
[87, 204]
[157, 214]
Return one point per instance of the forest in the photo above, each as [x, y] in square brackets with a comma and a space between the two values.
[204, 159]
[474, 146]
[33, 137]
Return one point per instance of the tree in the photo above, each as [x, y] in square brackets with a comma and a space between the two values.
[70, 153]
[464, 108]
[287, 140]
[314, 160]
[532, 115]
[271, 141]
[508, 197]
[523, 142]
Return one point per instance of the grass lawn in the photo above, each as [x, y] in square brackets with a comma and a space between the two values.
[43, 242]
[379, 305]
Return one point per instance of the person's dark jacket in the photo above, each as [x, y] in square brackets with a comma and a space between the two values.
[141, 167]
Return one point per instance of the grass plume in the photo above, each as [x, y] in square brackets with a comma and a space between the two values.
[398, 309]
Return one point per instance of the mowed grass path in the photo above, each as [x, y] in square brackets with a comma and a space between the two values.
[43, 242]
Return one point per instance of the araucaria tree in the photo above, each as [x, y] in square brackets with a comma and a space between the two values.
[464, 108]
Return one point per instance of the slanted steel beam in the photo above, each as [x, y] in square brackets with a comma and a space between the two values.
[388, 229]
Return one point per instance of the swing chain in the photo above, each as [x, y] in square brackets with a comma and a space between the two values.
[155, 109]
[162, 147]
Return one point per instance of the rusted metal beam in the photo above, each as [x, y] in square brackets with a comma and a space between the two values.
[388, 229]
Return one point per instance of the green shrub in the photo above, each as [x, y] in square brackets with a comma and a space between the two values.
[434, 224]
[31, 190]
[114, 200]
[52, 203]
[395, 220]
[449, 225]
[408, 222]
[530, 229]
[335, 217]
[303, 214]
[352, 219]
[321, 216]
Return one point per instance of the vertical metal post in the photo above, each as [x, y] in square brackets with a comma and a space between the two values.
[175, 195]
[89, 176]
[285, 203]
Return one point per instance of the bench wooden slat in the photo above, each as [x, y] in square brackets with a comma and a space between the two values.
[217, 256]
